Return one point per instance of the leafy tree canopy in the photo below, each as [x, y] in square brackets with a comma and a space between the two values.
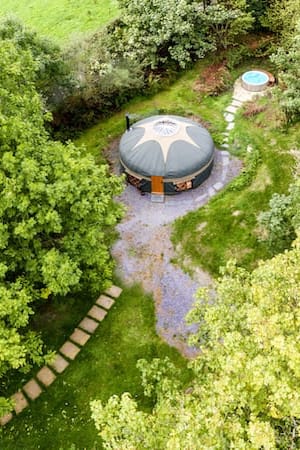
[154, 32]
[56, 212]
[287, 61]
[53, 78]
[245, 393]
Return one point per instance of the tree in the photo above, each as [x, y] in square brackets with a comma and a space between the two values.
[281, 18]
[225, 24]
[155, 32]
[56, 210]
[53, 77]
[245, 393]
[280, 222]
[287, 61]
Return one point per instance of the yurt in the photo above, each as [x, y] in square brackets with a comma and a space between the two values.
[166, 154]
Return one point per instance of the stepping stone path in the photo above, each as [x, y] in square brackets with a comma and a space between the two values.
[68, 352]
[240, 95]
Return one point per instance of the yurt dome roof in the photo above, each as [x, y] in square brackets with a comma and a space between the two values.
[165, 145]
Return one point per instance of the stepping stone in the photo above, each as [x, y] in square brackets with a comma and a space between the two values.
[97, 313]
[225, 161]
[113, 291]
[201, 198]
[5, 419]
[69, 350]
[46, 376]
[225, 145]
[224, 154]
[20, 402]
[232, 109]
[59, 364]
[230, 126]
[218, 186]
[88, 325]
[229, 117]
[32, 389]
[236, 102]
[80, 337]
[105, 302]
[225, 139]
[211, 191]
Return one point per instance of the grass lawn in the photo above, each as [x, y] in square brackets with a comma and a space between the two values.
[61, 20]
[227, 227]
[60, 417]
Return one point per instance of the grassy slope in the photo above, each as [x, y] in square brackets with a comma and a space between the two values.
[106, 366]
[61, 19]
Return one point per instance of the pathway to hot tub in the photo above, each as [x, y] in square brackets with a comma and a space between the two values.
[144, 251]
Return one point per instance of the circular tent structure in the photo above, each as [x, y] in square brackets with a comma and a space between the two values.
[166, 154]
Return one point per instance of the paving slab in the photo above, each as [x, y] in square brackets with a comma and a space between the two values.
[218, 186]
[88, 325]
[5, 419]
[236, 102]
[232, 109]
[46, 376]
[97, 313]
[32, 389]
[80, 337]
[20, 402]
[114, 291]
[211, 191]
[59, 364]
[105, 302]
[69, 350]
[230, 126]
[229, 117]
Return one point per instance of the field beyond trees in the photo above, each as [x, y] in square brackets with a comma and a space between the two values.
[61, 20]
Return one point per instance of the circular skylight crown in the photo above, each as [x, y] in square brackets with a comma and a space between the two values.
[166, 127]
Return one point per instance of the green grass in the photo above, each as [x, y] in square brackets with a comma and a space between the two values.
[61, 416]
[61, 20]
[229, 222]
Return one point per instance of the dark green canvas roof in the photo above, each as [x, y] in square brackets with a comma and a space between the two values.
[168, 146]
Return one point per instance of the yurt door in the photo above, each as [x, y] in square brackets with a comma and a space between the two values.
[157, 185]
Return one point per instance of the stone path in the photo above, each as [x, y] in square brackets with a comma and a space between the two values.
[67, 353]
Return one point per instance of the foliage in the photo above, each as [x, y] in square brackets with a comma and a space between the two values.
[280, 222]
[281, 17]
[245, 393]
[103, 82]
[226, 25]
[287, 61]
[53, 78]
[157, 33]
[56, 212]
[258, 9]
